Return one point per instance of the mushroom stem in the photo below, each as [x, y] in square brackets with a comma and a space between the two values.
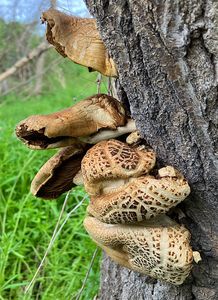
[110, 134]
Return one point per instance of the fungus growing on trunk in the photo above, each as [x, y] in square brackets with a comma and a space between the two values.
[79, 40]
[160, 248]
[56, 176]
[126, 212]
[140, 198]
[110, 163]
[63, 128]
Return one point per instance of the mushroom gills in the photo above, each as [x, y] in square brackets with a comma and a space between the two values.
[57, 174]
[38, 140]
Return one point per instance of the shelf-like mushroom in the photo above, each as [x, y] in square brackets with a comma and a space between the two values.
[140, 198]
[159, 250]
[110, 163]
[56, 175]
[79, 40]
[63, 128]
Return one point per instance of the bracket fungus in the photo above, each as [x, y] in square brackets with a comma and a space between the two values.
[56, 176]
[139, 199]
[158, 250]
[110, 163]
[63, 128]
[79, 40]
[126, 215]
[126, 212]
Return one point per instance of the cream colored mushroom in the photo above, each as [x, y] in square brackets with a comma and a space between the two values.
[79, 40]
[107, 134]
[63, 128]
[111, 163]
[56, 175]
[140, 198]
[160, 249]
[134, 137]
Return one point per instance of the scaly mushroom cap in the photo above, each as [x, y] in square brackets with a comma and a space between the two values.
[160, 251]
[140, 199]
[111, 163]
[79, 40]
[62, 128]
[56, 175]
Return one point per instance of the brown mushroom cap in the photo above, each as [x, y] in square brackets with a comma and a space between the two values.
[108, 161]
[63, 128]
[162, 252]
[56, 175]
[140, 198]
[79, 40]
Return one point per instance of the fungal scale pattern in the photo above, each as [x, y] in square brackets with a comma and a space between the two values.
[158, 251]
[125, 200]
[140, 199]
[126, 215]
[112, 159]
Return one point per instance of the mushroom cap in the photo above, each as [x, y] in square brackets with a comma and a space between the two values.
[139, 199]
[64, 127]
[108, 161]
[79, 40]
[56, 175]
[160, 251]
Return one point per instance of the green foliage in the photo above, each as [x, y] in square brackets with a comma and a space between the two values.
[17, 40]
[27, 223]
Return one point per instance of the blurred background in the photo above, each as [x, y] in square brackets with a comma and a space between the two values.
[45, 84]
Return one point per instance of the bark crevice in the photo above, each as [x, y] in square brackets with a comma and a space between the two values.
[166, 57]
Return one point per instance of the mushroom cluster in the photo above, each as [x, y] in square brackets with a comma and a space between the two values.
[127, 206]
[128, 196]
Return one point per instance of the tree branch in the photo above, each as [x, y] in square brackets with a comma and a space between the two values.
[44, 46]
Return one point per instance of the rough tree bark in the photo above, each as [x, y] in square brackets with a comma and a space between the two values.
[166, 56]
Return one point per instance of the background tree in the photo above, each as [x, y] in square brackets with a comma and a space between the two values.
[23, 63]
[167, 62]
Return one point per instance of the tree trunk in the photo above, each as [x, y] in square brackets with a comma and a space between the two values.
[166, 57]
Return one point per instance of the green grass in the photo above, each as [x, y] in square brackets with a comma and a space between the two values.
[26, 222]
